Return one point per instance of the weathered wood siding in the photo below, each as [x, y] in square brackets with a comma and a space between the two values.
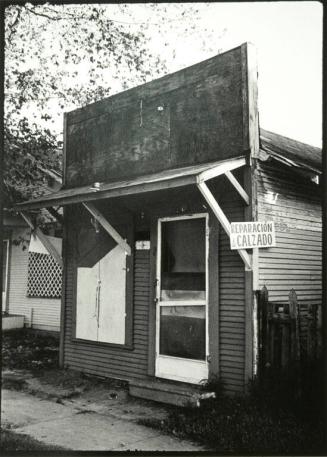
[295, 262]
[45, 311]
[192, 116]
[231, 305]
[124, 363]
[104, 360]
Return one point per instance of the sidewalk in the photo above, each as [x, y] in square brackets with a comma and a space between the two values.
[93, 421]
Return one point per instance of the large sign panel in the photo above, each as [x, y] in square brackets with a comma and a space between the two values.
[193, 116]
[247, 235]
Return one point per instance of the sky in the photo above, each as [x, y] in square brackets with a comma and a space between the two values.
[288, 39]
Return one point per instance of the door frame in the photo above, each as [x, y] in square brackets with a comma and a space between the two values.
[5, 284]
[178, 360]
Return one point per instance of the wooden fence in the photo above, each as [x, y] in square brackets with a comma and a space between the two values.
[285, 334]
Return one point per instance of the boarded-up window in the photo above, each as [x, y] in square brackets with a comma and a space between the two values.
[101, 299]
[101, 292]
[44, 276]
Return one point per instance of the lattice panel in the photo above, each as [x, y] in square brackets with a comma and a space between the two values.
[44, 276]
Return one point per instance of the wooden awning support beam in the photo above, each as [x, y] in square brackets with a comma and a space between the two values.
[237, 186]
[43, 238]
[221, 169]
[220, 215]
[55, 214]
[108, 227]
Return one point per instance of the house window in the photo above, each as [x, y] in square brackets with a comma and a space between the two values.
[103, 278]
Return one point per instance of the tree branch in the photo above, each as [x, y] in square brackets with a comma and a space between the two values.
[13, 25]
[70, 15]
[43, 15]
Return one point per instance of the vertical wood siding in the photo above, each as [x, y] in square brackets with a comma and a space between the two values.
[295, 262]
[46, 311]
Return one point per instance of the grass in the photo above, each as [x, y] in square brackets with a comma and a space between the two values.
[281, 414]
[29, 349]
[273, 418]
[38, 351]
[11, 441]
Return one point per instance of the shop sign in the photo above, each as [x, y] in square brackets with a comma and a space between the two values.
[247, 235]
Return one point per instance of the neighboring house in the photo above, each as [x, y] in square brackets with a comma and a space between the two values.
[288, 192]
[32, 278]
[153, 176]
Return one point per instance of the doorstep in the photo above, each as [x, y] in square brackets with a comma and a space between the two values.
[170, 392]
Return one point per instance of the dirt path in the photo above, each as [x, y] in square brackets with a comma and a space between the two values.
[98, 419]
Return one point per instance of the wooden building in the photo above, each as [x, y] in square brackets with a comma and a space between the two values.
[32, 277]
[153, 177]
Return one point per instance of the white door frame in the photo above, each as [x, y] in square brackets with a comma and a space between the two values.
[5, 284]
[191, 371]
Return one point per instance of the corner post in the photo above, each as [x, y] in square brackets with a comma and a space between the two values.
[251, 146]
[64, 152]
[63, 294]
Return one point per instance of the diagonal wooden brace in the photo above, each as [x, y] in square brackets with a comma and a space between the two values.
[55, 214]
[43, 238]
[108, 227]
[210, 199]
[238, 186]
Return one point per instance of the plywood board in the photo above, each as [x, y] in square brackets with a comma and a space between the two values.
[197, 115]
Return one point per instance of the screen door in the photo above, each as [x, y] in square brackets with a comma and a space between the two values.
[182, 291]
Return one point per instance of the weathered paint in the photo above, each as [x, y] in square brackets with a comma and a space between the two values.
[193, 116]
[5, 272]
[101, 299]
[44, 312]
[294, 203]
[133, 362]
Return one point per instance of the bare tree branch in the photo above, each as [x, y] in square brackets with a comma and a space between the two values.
[68, 15]
[15, 22]
[44, 15]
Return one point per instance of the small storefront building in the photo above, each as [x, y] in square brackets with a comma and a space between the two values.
[153, 291]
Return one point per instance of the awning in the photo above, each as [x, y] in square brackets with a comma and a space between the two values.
[147, 183]
[191, 175]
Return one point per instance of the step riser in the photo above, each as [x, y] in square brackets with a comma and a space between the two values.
[161, 396]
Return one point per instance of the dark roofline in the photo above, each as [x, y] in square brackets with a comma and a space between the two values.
[301, 154]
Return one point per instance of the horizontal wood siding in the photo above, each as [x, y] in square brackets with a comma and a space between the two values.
[108, 361]
[133, 364]
[231, 305]
[295, 262]
[45, 311]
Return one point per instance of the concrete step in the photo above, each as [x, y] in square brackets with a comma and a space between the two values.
[173, 393]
